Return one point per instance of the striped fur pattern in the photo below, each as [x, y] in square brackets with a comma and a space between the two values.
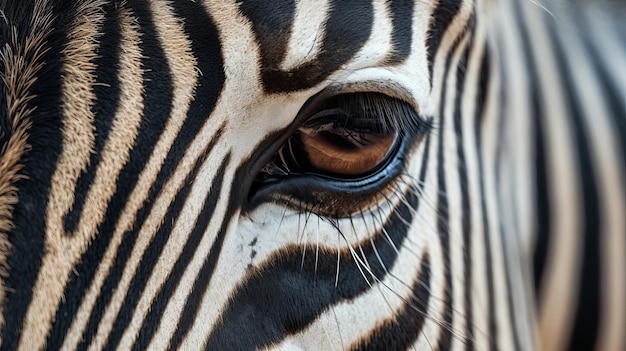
[136, 211]
[562, 168]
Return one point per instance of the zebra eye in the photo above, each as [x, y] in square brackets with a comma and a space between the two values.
[349, 136]
[343, 151]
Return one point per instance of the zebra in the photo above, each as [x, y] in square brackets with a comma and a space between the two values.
[312, 174]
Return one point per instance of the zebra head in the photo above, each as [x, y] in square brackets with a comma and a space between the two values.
[313, 174]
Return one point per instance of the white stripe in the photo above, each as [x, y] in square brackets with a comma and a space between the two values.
[126, 120]
[453, 195]
[178, 53]
[307, 33]
[478, 285]
[63, 251]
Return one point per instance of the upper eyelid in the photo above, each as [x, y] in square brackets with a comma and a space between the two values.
[390, 113]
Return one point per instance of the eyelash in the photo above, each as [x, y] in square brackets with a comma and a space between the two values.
[349, 137]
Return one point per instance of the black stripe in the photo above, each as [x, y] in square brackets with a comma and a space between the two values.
[201, 284]
[400, 332]
[192, 305]
[348, 27]
[614, 102]
[161, 300]
[444, 236]
[45, 139]
[107, 99]
[295, 286]
[384, 336]
[588, 312]
[153, 252]
[288, 268]
[443, 215]
[466, 209]
[205, 46]
[402, 30]
[542, 203]
[442, 17]
[106, 292]
[157, 104]
[484, 83]
[272, 22]
[107, 95]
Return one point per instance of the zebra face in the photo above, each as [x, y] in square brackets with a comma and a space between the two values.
[239, 175]
[311, 174]
[313, 241]
[229, 174]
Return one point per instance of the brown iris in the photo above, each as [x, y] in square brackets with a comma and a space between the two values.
[348, 154]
